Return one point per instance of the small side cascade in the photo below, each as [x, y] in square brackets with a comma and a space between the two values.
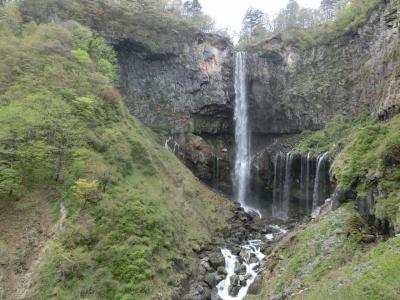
[287, 189]
[172, 145]
[279, 181]
[301, 183]
[306, 181]
[321, 185]
[282, 185]
[216, 160]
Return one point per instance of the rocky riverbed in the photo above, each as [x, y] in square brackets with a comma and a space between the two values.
[229, 271]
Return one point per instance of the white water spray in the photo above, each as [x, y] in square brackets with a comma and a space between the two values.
[242, 134]
[238, 281]
[252, 270]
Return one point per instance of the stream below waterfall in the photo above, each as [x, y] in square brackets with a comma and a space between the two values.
[243, 269]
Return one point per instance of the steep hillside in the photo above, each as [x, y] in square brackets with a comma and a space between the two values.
[333, 258]
[175, 78]
[131, 213]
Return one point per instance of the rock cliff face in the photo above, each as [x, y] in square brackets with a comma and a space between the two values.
[294, 88]
[187, 90]
[187, 94]
[291, 89]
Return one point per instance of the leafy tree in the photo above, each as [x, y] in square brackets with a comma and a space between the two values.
[192, 8]
[144, 21]
[253, 18]
[295, 17]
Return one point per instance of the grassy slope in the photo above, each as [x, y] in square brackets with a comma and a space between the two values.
[325, 261]
[134, 212]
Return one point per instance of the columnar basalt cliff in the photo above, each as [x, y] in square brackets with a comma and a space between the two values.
[186, 90]
[187, 96]
[293, 87]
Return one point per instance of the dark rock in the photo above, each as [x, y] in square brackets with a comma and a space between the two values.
[368, 238]
[212, 279]
[216, 260]
[256, 287]
[341, 196]
[245, 217]
[222, 270]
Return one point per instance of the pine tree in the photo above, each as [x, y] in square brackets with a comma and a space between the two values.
[252, 19]
[329, 9]
[192, 8]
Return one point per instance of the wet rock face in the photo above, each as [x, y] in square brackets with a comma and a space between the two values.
[210, 159]
[188, 90]
[292, 89]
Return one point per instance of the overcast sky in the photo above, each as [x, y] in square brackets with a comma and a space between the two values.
[229, 13]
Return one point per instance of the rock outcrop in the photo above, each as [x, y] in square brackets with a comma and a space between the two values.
[188, 90]
[293, 88]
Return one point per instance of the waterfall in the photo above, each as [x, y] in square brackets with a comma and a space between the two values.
[308, 184]
[282, 185]
[320, 184]
[308, 188]
[287, 187]
[215, 171]
[305, 182]
[277, 186]
[303, 178]
[242, 134]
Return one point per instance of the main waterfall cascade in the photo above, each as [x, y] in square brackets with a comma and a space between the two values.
[242, 133]
[301, 183]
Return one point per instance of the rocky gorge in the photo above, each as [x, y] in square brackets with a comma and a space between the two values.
[188, 95]
[293, 88]
[145, 156]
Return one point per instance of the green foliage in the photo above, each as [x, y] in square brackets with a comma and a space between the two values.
[374, 277]
[361, 148]
[306, 29]
[311, 254]
[327, 260]
[153, 24]
[127, 199]
[81, 56]
[347, 22]
[333, 137]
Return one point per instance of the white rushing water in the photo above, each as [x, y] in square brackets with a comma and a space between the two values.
[252, 269]
[242, 135]
[252, 259]
[320, 182]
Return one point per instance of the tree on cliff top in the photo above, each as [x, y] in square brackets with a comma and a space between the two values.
[252, 19]
[156, 24]
[192, 8]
